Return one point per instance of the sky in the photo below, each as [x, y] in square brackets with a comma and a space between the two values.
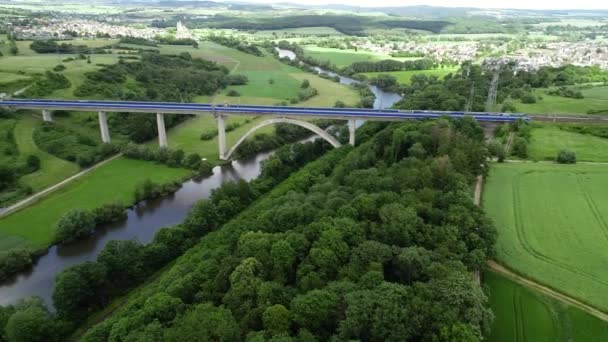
[523, 4]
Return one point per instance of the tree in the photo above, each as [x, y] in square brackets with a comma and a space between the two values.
[31, 324]
[380, 314]
[80, 289]
[316, 311]
[305, 84]
[7, 176]
[520, 147]
[123, 260]
[75, 224]
[566, 157]
[277, 319]
[33, 163]
[205, 323]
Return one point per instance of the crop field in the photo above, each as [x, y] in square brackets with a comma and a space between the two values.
[552, 223]
[548, 140]
[35, 225]
[343, 58]
[526, 315]
[562, 105]
[405, 77]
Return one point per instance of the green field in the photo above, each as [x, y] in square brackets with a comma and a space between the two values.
[526, 315]
[34, 226]
[551, 104]
[186, 136]
[286, 79]
[552, 223]
[343, 58]
[405, 77]
[599, 93]
[548, 140]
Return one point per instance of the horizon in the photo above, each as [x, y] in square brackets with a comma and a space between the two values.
[491, 4]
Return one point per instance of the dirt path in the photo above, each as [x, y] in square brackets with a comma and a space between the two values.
[546, 290]
[509, 143]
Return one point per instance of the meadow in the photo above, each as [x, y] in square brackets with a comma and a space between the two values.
[548, 140]
[596, 99]
[343, 58]
[552, 225]
[34, 226]
[526, 315]
[405, 77]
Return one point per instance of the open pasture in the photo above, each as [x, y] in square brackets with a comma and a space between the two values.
[548, 140]
[550, 104]
[552, 223]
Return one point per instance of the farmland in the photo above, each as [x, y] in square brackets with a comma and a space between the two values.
[404, 77]
[34, 226]
[548, 140]
[523, 314]
[552, 225]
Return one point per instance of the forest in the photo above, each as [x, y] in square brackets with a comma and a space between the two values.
[375, 243]
[347, 24]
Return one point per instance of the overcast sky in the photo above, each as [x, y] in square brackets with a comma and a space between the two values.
[528, 4]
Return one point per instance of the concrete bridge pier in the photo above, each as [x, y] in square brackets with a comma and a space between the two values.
[162, 132]
[103, 127]
[46, 115]
[351, 132]
[221, 135]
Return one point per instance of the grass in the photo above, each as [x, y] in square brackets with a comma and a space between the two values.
[343, 58]
[52, 169]
[551, 104]
[186, 136]
[405, 77]
[35, 225]
[598, 93]
[523, 314]
[7, 77]
[548, 140]
[552, 225]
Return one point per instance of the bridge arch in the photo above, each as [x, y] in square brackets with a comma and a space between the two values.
[311, 127]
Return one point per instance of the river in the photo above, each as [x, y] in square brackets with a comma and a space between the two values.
[143, 221]
[383, 100]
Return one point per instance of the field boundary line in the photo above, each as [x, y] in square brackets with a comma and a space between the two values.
[499, 268]
[43, 193]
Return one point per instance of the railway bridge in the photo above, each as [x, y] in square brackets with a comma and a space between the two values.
[272, 114]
